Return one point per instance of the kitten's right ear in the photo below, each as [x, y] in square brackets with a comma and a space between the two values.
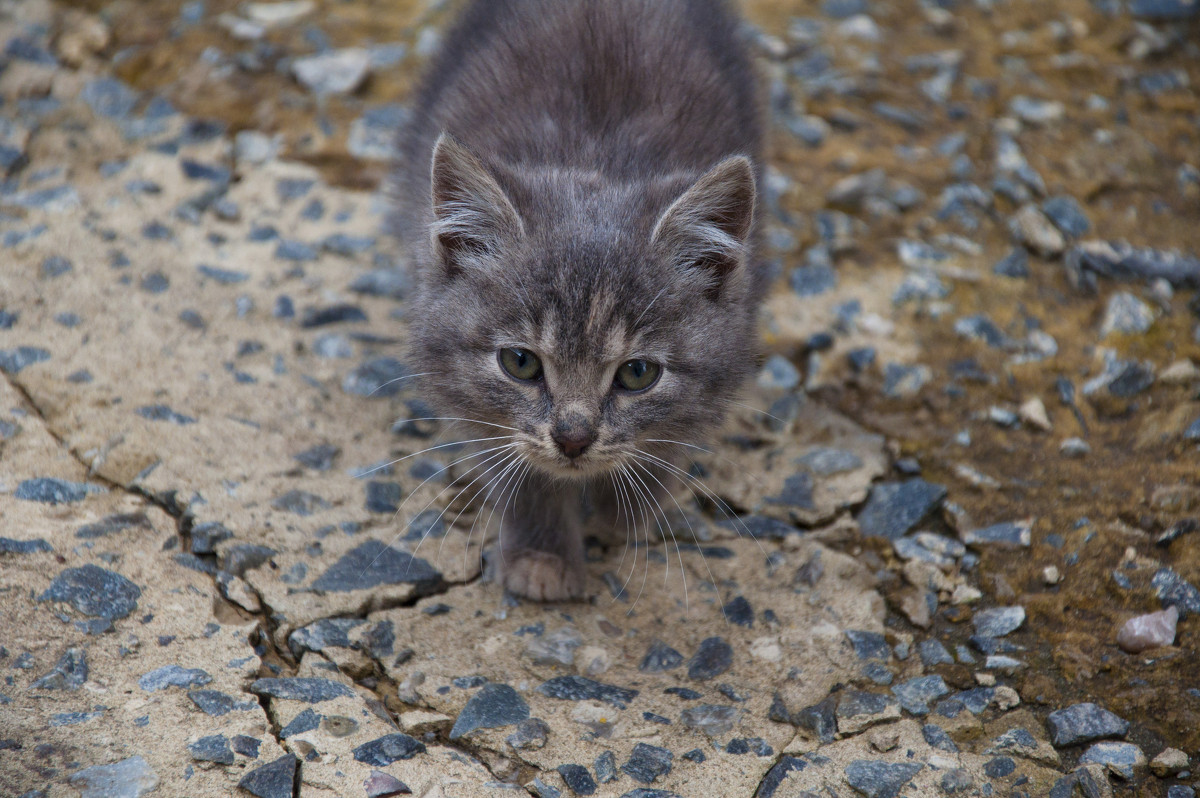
[472, 215]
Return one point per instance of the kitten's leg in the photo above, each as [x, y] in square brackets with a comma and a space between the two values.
[541, 543]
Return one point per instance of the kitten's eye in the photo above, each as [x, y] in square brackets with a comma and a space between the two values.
[637, 375]
[521, 364]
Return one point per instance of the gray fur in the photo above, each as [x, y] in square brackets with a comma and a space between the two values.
[579, 181]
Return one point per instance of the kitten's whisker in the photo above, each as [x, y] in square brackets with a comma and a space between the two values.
[678, 552]
[647, 494]
[402, 379]
[623, 472]
[490, 462]
[382, 466]
[443, 470]
[468, 420]
[736, 465]
[523, 473]
[500, 452]
[709, 493]
[621, 500]
[491, 486]
[753, 409]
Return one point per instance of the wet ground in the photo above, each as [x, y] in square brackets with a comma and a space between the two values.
[954, 168]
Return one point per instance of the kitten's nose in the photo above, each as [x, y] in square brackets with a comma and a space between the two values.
[573, 438]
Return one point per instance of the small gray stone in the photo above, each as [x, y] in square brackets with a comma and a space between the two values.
[869, 645]
[880, 779]
[778, 373]
[109, 97]
[384, 785]
[49, 490]
[579, 688]
[129, 778]
[94, 591]
[1127, 315]
[578, 779]
[494, 706]
[310, 690]
[1067, 216]
[1123, 759]
[894, 508]
[531, 735]
[379, 378]
[374, 563]
[712, 658]
[660, 657]
[1009, 533]
[306, 721]
[605, 767]
[273, 780]
[213, 748]
[937, 738]
[164, 413]
[388, 749]
[1083, 723]
[932, 653]
[333, 72]
[1034, 111]
[69, 673]
[10, 546]
[13, 360]
[998, 621]
[216, 703]
[916, 694]
[647, 763]
[173, 676]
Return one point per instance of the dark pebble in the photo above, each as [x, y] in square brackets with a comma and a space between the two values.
[388, 749]
[213, 173]
[389, 283]
[861, 359]
[1009, 533]
[777, 774]
[109, 97]
[578, 779]
[813, 280]
[94, 591]
[322, 634]
[749, 745]
[999, 767]
[298, 251]
[13, 360]
[206, 536]
[869, 645]
[222, 276]
[113, 524]
[932, 653]
[374, 563]
[695, 755]
[213, 748]
[69, 673]
[319, 457]
[916, 694]
[712, 658]
[55, 266]
[531, 734]
[331, 314]
[306, 721]
[383, 497]
[347, 245]
[820, 719]
[273, 780]
[880, 779]
[1083, 723]
[579, 688]
[1174, 591]
[173, 676]
[957, 780]
[494, 706]
[243, 557]
[246, 745]
[936, 737]
[1015, 264]
[300, 502]
[1164, 10]
[647, 763]
[216, 703]
[310, 690]
[797, 492]
[1067, 216]
[8, 319]
[1119, 261]
[164, 413]
[605, 767]
[660, 657]
[685, 693]
[894, 508]
[10, 546]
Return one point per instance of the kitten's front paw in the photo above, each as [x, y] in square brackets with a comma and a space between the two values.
[541, 576]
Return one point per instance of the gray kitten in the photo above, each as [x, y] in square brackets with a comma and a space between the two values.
[585, 253]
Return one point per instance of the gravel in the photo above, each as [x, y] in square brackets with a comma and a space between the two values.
[1083, 723]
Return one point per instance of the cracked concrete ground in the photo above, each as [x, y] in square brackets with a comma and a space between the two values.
[235, 559]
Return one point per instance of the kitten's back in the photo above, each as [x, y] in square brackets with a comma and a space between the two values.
[626, 88]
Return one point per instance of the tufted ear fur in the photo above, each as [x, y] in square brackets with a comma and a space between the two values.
[706, 231]
[473, 218]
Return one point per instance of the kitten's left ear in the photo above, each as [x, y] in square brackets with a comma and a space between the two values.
[706, 231]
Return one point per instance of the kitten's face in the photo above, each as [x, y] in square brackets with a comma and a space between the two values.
[573, 325]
